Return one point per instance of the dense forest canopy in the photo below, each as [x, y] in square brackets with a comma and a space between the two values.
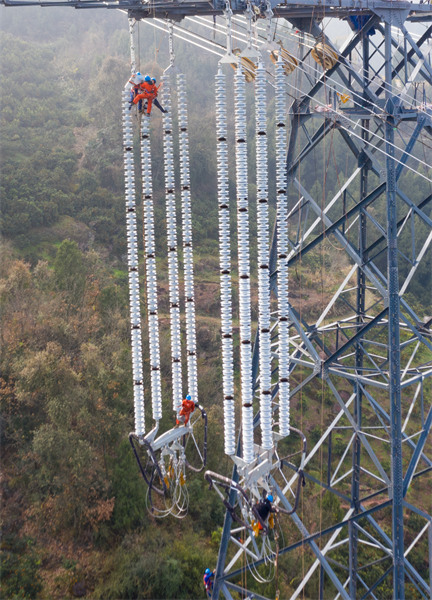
[75, 521]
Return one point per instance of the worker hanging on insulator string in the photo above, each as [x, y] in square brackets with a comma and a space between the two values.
[148, 93]
[208, 579]
[264, 509]
[136, 80]
[188, 406]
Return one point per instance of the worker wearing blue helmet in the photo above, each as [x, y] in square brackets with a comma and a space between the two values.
[208, 581]
[264, 508]
[136, 80]
[148, 93]
[187, 408]
[156, 101]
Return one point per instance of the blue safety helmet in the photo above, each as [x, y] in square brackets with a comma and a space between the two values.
[207, 571]
[138, 73]
[147, 78]
[154, 80]
[188, 397]
[270, 497]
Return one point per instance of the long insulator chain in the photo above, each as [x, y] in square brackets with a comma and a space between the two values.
[225, 264]
[192, 371]
[282, 249]
[173, 278]
[263, 258]
[244, 265]
[150, 262]
[134, 288]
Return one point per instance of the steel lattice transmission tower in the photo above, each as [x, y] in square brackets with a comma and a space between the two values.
[375, 364]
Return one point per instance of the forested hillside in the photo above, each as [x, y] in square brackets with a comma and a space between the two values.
[74, 515]
[74, 518]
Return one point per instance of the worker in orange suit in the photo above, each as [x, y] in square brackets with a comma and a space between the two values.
[188, 406]
[148, 93]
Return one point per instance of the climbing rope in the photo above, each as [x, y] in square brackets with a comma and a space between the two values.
[225, 264]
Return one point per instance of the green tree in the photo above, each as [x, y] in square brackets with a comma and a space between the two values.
[69, 270]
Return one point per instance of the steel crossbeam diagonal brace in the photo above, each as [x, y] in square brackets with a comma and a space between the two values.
[361, 149]
[416, 510]
[315, 139]
[426, 36]
[408, 59]
[420, 124]
[381, 411]
[388, 540]
[417, 209]
[338, 223]
[315, 549]
[364, 203]
[416, 332]
[347, 520]
[417, 452]
[418, 258]
[417, 50]
[242, 591]
[313, 336]
[342, 239]
[377, 279]
[363, 438]
[375, 321]
[342, 55]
